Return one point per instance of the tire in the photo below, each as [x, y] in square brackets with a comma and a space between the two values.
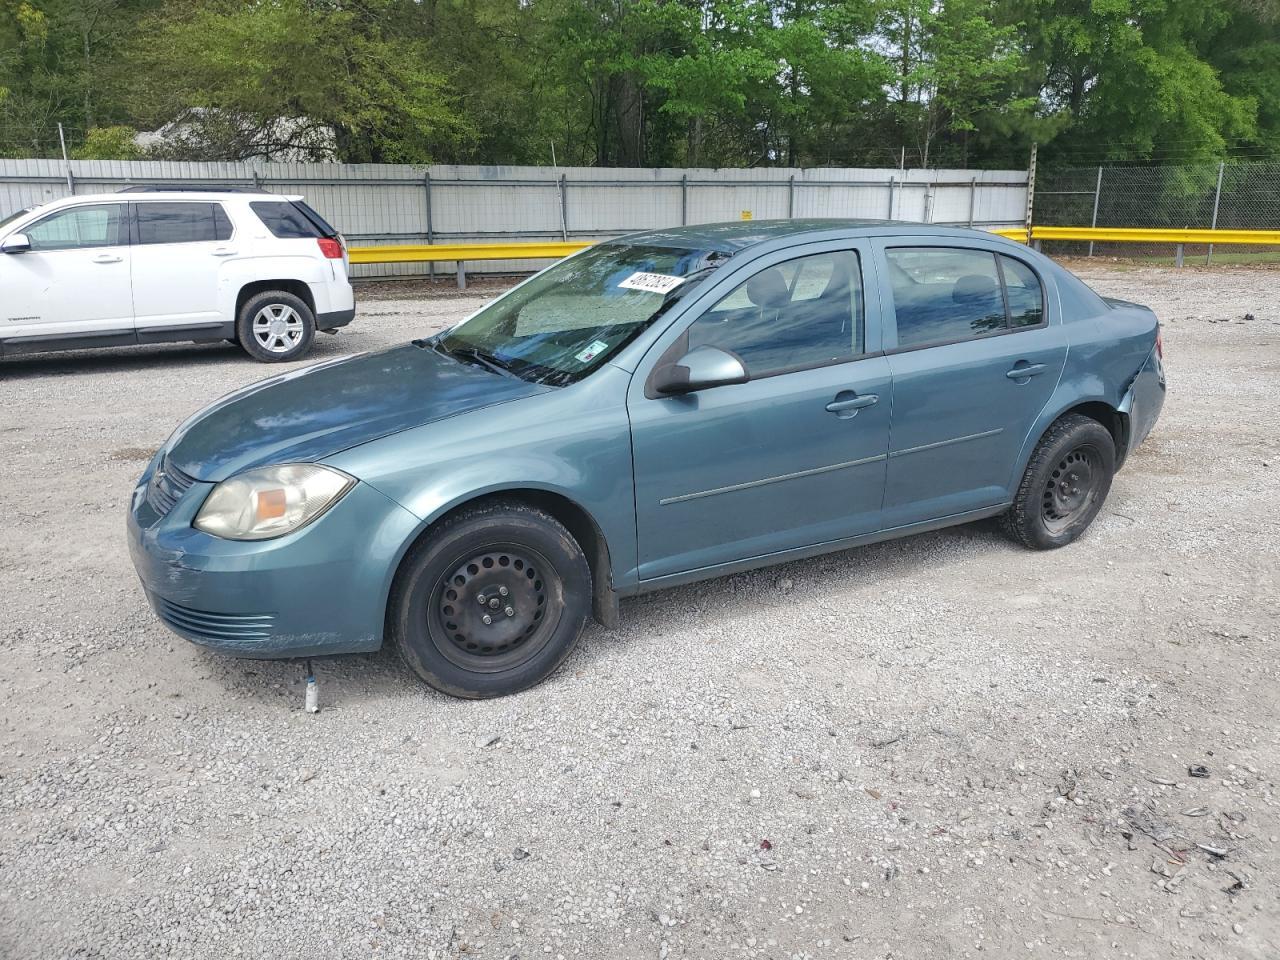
[536, 586]
[1064, 486]
[275, 327]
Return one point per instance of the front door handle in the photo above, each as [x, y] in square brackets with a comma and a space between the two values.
[1025, 371]
[107, 258]
[224, 252]
[847, 403]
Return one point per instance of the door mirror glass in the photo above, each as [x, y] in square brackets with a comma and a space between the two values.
[699, 369]
[18, 243]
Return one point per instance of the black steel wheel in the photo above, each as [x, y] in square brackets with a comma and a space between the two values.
[1065, 484]
[490, 613]
[492, 602]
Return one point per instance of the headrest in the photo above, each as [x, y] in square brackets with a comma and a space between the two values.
[768, 288]
[974, 286]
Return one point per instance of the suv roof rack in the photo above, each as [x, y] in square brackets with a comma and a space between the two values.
[188, 188]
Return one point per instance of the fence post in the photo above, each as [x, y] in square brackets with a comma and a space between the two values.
[1217, 196]
[66, 162]
[1177, 256]
[1031, 191]
[564, 207]
[973, 198]
[431, 233]
[1097, 192]
[890, 217]
[791, 197]
[462, 275]
[684, 199]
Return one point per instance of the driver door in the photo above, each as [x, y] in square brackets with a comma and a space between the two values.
[73, 282]
[792, 458]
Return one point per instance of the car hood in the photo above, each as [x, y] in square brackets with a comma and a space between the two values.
[316, 412]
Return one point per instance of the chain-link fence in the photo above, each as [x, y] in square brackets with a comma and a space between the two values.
[1229, 196]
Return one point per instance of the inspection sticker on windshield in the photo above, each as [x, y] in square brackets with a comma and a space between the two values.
[651, 282]
[593, 350]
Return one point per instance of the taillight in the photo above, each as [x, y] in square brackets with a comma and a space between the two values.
[1159, 342]
[330, 247]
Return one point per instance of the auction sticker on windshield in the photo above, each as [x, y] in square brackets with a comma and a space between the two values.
[592, 350]
[651, 282]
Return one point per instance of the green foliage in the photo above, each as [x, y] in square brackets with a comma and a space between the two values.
[645, 82]
[108, 143]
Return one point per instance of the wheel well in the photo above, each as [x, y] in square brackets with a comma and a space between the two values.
[1117, 423]
[296, 287]
[580, 524]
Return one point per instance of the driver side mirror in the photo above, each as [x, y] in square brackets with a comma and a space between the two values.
[18, 243]
[699, 369]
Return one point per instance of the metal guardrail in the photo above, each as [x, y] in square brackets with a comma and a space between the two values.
[460, 253]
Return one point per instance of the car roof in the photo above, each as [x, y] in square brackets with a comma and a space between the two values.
[737, 235]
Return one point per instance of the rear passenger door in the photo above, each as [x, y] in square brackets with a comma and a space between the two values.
[974, 358]
[178, 248]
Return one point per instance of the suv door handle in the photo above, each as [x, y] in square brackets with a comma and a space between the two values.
[224, 252]
[847, 403]
[1026, 371]
[107, 258]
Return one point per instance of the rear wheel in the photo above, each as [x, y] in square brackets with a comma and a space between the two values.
[1064, 486]
[492, 603]
[275, 326]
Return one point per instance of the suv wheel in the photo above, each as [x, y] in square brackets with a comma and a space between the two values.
[492, 603]
[275, 326]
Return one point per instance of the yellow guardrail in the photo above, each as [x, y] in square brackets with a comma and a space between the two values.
[453, 252]
[460, 253]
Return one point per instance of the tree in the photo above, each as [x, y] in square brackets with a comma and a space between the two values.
[248, 80]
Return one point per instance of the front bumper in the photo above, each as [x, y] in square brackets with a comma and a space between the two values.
[320, 590]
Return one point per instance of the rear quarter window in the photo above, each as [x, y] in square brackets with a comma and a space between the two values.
[284, 220]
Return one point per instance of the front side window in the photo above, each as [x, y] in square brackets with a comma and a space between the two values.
[572, 317]
[181, 222]
[946, 295]
[802, 313]
[78, 228]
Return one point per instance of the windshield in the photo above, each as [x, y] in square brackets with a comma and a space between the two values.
[569, 319]
[14, 216]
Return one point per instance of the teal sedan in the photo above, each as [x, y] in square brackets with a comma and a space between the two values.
[662, 408]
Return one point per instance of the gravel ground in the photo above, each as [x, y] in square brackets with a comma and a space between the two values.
[944, 746]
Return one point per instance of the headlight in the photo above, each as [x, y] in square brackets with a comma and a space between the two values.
[271, 501]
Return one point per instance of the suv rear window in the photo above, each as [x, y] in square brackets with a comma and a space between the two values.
[290, 221]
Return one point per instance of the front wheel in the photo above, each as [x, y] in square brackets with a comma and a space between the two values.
[275, 326]
[1064, 486]
[492, 603]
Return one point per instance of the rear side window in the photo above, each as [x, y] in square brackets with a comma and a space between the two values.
[78, 228]
[945, 295]
[285, 221]
[182, 222]
[942, 295]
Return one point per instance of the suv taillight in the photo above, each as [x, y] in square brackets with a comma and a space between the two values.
[1159, 342]
[330, 247]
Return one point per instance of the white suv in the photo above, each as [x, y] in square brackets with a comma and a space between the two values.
[150, 266]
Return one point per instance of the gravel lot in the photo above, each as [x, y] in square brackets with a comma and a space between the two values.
[944, 746]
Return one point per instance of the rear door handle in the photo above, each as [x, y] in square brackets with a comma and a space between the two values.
[1026, 371]
[107, 258]
[847, 403]
[224, 252]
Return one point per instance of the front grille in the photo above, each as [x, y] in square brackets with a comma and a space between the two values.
[166, 486]
[215, 627]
